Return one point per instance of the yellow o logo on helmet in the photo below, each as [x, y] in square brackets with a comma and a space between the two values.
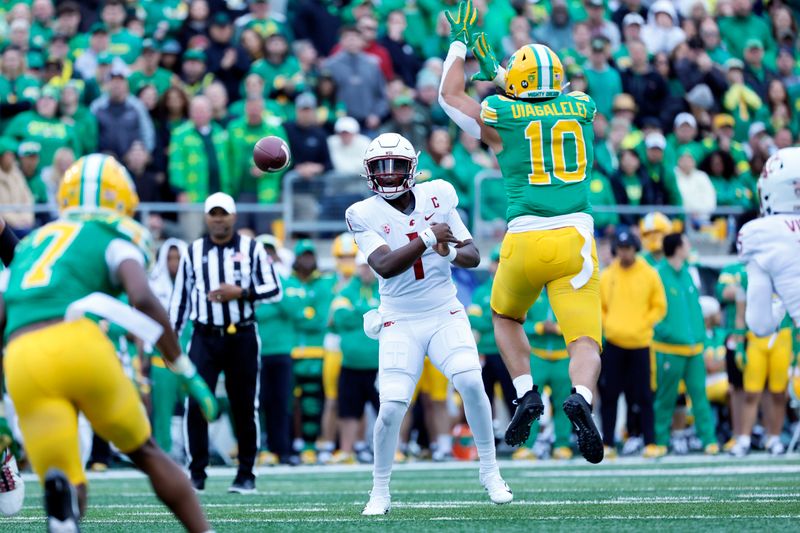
[98, 181]
[534, 71]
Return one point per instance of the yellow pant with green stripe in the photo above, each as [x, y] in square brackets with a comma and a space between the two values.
[54, 372]
[532, 260]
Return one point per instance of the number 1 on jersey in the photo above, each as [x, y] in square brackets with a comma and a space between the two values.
[419, 272]
[62, 233]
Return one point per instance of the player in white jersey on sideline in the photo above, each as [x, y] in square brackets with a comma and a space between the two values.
[410, 235]
[770, 246]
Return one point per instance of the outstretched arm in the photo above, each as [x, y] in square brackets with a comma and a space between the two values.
[458, 105]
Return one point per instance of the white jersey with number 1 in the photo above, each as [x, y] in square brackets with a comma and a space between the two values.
[428, 285]
[770, 247]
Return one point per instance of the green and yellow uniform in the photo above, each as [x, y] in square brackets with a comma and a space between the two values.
[678, 342]
[54, 371]
[549, 368]
[714, 351]
[546, 159]
[315, 295]
[359, 352]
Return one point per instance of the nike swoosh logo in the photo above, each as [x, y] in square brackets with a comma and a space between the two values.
[429, 216]
[456, 311]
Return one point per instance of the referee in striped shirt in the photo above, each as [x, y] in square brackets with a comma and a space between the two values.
[220, 278]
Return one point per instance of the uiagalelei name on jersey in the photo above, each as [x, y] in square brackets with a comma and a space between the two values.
[68, 259]
[548, 151]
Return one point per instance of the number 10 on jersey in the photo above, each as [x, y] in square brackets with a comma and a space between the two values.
[561, 130]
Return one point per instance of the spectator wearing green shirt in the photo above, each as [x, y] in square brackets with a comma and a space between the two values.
[684, 133]
[194, 73]
[42, 12]
[712, 43]
[43, 126]
[662, 176]
[124, 44]
[631, 185]
[276, 329]
[88, 56]
[601, 193]
[578, 54]
[151, 73]
[84, 122]
[28, 154]
[18, 90]
[744, 25]
[757, 74]
[251, 184]
[359, 355]
[604, 81]
[279, 68]
[261, 20]
[730, 187]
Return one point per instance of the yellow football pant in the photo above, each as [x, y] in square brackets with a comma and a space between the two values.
[767, 366]
[331, 369]
[54, 372]
[532, 260]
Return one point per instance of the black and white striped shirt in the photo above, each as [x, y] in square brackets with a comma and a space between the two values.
[205, 266]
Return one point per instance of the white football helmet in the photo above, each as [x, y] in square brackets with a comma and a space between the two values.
[779, 184]
[12, 488]
[390, 154]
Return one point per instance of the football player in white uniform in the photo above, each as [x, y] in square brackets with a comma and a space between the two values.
[410, 236]
[770, 246]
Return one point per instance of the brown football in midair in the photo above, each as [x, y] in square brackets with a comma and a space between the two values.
[271, 154]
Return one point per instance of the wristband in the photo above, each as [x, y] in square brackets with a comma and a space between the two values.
[428, 238]
[452, 254]
[458, 49]
[500, 78]
[183, 366]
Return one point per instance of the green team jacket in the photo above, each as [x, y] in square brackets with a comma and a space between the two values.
[188, 162]
[242, 137]
[315, 296]
[683, 331]
[359, 352]
[732, 274]
[480, 318]
[544, 345]
[276, 320]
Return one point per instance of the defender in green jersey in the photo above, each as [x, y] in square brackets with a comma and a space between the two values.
[60, 362]
[544, 144]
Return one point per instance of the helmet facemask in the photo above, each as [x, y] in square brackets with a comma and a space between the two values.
[390, 167]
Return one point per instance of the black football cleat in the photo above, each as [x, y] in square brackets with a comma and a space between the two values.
[579, 413]
[60, 503]
[529, 409]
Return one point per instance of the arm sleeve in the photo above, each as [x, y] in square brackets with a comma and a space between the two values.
[181, 293]
[118, 251]
[367, 240]
[466, 123]
[761, 316]
[266, 285]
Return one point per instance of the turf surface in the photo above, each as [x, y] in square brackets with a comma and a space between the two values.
[674, 494]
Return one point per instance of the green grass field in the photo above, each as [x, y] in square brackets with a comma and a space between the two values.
[673, 494]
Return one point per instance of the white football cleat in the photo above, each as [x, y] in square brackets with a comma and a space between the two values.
[377, 505]
[498, 489]
[774, 446]
[12, 488]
